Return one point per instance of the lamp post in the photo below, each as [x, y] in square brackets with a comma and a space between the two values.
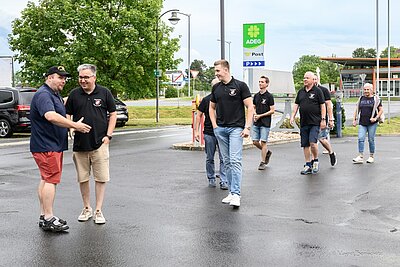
[174, 20]
[229, 47]
[157, 72]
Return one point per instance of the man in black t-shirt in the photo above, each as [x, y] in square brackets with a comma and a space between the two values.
[311, 103]
[230, 124]
[264, 107]
[211, 144]
[96, 105]
[323, 136]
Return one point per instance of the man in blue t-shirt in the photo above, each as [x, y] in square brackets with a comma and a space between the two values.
[49, 140]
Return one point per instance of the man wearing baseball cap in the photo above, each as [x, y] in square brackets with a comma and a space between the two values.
[48, 141]
[60, 70]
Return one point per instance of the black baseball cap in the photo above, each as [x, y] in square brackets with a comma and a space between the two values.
[60, 70]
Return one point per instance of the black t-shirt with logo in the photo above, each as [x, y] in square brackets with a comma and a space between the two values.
[229, 102]
[203, 107]
[263, 103]
[94, 108]
[310, 106]
[327, 96]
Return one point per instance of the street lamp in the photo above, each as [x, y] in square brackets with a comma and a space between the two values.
[229, 47]
[174, 20]
[157, 72]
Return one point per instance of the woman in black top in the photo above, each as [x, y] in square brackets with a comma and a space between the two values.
[367, 113]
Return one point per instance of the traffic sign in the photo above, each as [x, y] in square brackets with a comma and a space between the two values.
[157, 73]
[253, 63]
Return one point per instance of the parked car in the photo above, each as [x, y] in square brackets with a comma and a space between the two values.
[15, 105]
[122, 113]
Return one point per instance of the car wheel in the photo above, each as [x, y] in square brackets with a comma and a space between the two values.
[5, 128]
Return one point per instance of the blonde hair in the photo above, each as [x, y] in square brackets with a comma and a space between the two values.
[224, 63]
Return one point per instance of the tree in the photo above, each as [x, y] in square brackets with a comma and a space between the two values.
[328, 70]
[394, 52]
[361, 52]
[116, 35]
[203, 80]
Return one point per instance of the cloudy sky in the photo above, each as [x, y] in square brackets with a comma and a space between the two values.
[293, 28]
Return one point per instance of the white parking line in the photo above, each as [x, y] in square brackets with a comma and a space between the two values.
[155, 137]
[24, 142]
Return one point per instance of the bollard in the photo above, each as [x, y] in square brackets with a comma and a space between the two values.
[339, 97]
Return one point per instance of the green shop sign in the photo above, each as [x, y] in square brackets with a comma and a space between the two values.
[253, 35]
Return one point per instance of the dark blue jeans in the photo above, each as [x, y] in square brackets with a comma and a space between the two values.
[211, 144]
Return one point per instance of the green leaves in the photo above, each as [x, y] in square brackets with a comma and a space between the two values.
[328, 70]
[116, 35]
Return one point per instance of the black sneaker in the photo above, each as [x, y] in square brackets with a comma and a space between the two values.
[261, 166]
[307, 170]
[267, 157]
[54, 225]
[333, 158]
[41, 221]
[223, 185]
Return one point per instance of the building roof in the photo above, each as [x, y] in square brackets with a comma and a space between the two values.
[362, 62]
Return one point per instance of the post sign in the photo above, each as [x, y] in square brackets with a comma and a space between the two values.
[253, 45]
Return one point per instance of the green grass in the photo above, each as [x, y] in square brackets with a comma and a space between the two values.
[355, 99]
[383, 129]
[143, 117]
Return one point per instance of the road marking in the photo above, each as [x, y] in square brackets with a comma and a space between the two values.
[155, 137]
[13, 143]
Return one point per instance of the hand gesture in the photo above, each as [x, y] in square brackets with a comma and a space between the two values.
[82, 127]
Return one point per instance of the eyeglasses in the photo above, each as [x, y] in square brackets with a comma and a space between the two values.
[85, 77]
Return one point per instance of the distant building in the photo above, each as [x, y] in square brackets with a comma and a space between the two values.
[352, 71]
[280, 82]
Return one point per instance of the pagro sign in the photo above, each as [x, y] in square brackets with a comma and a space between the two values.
[253, 44]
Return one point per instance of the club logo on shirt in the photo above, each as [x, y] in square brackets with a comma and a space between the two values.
[232, 92]
[97, 102]
[312, 96]
[264, 101]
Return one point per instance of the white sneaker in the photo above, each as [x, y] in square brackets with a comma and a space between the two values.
[358, 160]
[235, 201]
[325, 151]
[370, 160]
[85, 215]
[99, 218]
[227, 199]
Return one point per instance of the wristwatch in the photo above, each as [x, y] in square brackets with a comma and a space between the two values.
[109, 137]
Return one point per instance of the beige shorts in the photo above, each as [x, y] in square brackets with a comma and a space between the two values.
[96, 160]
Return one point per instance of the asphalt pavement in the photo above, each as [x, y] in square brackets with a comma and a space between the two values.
[160, 211]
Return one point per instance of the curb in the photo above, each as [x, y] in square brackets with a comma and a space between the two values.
[275, 138]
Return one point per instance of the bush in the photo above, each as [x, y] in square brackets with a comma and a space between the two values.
[286, 123]
[171, 93]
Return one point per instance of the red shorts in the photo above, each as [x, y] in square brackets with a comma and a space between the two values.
[50, 165]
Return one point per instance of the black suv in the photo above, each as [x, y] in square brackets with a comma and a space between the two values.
[15, 105]
[122, 113]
